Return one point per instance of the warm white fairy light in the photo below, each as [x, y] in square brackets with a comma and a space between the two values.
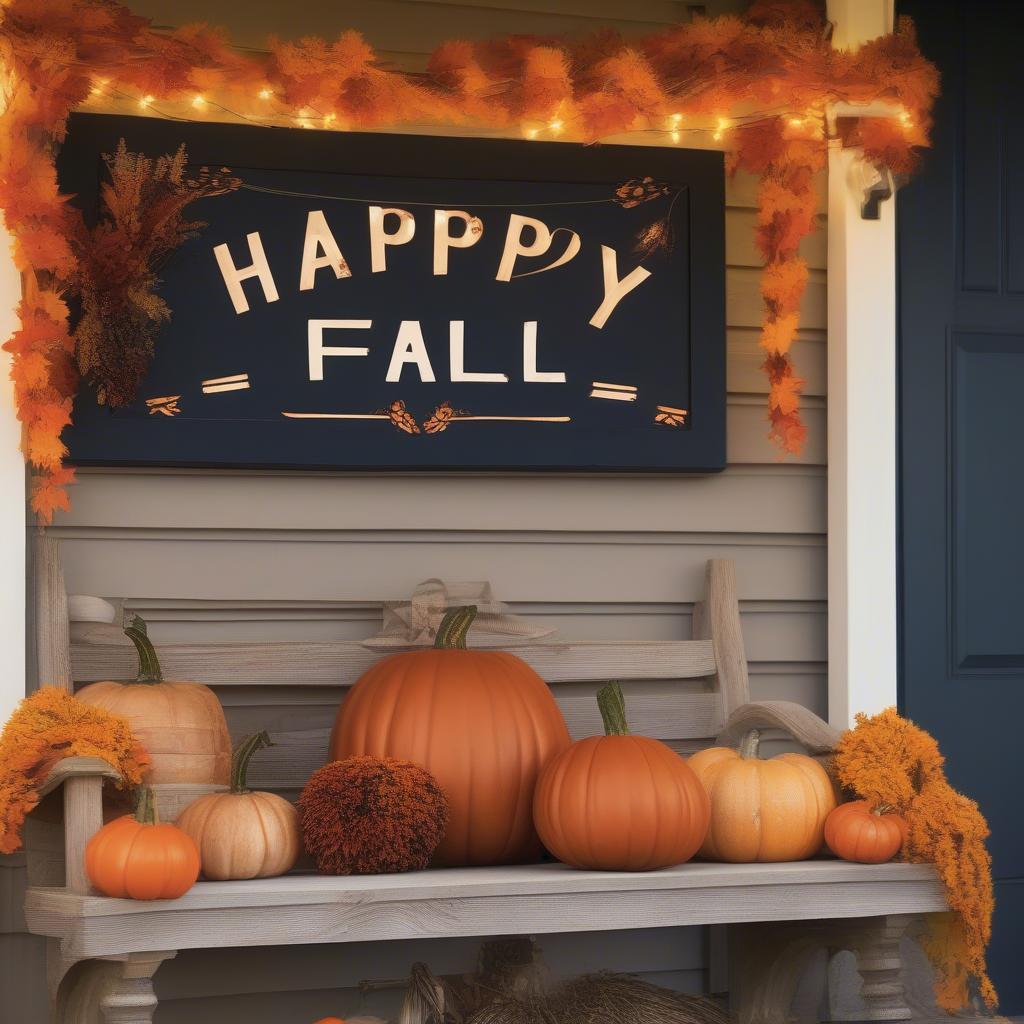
[99, 86]
[676, 137]
[723, 126]
[531, 133]
[145, 102]
[675, 120]
[198, 102]
[556, 126]
[329, 119]
[265, 94]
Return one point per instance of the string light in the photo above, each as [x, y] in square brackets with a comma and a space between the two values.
[796, 122]
[198, 102]
[723, 126]
[145, 102]
[265, 94]
[99, 86]
[676, 137]
[329, 119]
[531, 133]
[556, 126]
[675, 120]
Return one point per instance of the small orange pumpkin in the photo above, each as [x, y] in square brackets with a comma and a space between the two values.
[241, 834]
[181, 725]
[620, 802]
[770, 810]
[483, 723]
[860, 832]
[137, 858]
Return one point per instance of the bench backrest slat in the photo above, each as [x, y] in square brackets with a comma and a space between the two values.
[341, 664]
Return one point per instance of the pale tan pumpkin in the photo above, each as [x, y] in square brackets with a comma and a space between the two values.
[181, 724]
[771, 810]
[242, 834]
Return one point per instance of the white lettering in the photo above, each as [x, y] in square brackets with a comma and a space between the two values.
[530, 371]
[380, 239]
[234, 276]
[614, 289]
[409, 348]
[472, 232]
[317, 349]
[456, 357]
[319, 236]
[514, 246]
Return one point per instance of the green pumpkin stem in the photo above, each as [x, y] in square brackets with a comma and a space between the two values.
[146, 812]
[451, 634]
[242, 757]
[149, 663]
[750, 747]
[613, 710]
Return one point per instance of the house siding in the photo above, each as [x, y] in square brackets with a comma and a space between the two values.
[207, 555]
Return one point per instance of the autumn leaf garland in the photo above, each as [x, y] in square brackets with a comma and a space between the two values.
[765, 79]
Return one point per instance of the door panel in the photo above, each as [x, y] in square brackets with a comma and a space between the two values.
[961, 366]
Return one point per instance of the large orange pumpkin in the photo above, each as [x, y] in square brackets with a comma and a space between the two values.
[864, 833]
[137, 858]
[763, 810]
[483, 723]
[620, 802]
[180, 724]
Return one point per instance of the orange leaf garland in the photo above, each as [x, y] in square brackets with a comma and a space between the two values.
[777, 55]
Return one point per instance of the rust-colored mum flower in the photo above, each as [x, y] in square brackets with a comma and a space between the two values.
[49, 725]
[372, 815]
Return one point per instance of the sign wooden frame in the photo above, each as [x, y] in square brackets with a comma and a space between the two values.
[695, 183]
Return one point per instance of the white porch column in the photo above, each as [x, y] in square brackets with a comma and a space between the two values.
[12, 503]
[861, 421]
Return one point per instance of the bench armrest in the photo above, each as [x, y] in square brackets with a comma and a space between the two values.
[82, 779]
[801, 723]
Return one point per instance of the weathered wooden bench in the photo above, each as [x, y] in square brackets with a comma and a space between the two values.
[103, 952]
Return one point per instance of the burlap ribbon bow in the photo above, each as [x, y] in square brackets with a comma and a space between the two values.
[414, 623]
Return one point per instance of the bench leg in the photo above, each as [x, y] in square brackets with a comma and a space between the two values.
[110, 991]
[880, 965]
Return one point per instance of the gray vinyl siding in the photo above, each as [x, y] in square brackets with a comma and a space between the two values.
[289, 556]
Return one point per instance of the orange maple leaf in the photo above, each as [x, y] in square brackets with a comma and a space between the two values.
[785, 395]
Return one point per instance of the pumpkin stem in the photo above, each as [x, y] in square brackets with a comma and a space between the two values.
[451, 634]
[613, 710]
[882, 809]
[242, 757]
[750, 746]
[145, 808]
[149, 663]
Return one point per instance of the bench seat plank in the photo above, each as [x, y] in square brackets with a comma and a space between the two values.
[478, 901]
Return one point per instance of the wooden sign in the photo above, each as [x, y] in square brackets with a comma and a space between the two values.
[417, 303]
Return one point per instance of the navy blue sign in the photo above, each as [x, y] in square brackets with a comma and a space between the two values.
[406, 303]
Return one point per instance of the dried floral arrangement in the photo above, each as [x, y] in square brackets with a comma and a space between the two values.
[761, 83]
[48, 725]
[887, 759]
[142, 223]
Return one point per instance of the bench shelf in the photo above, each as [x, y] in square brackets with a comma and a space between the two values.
[527, 899]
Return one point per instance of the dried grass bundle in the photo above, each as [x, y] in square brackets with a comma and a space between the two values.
[608, 998]
[603, 998]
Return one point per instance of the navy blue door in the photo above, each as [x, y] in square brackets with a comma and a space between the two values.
[961, 362]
